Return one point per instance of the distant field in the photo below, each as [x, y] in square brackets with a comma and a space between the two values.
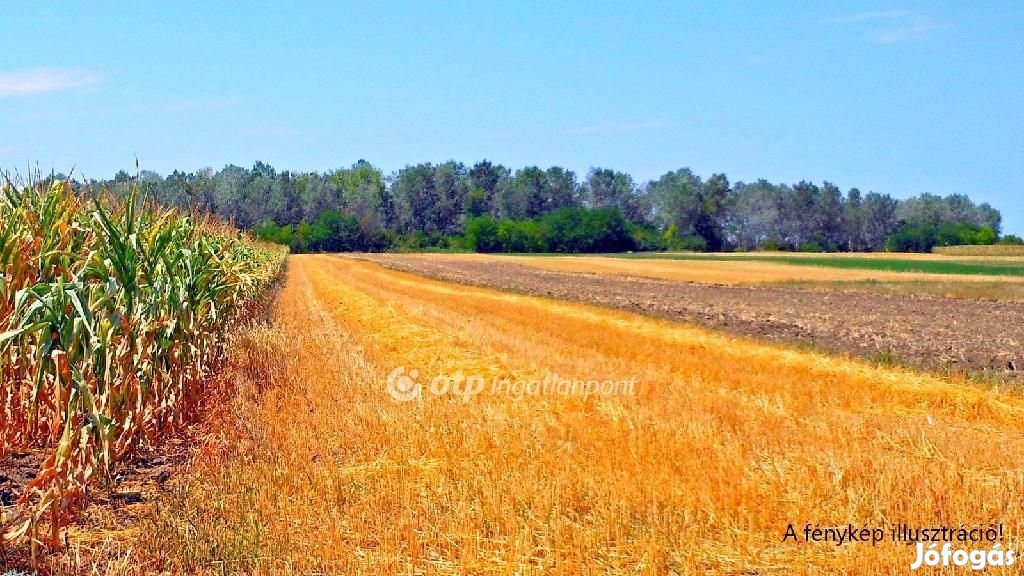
[995, 250]
[891, 264]
[748, 269]
[934, 256]
[875, 320]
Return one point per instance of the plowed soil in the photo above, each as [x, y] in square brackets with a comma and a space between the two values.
[933, 333]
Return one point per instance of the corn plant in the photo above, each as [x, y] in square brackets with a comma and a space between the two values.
[112, 315]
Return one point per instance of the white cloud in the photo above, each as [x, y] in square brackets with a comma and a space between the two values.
[891, 26]
[614, 127]
[41, 80]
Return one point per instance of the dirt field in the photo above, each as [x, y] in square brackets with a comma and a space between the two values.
[936, 333]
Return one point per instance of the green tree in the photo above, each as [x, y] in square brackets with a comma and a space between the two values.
[695, 210]
[416, 200]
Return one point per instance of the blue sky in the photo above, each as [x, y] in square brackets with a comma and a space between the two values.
[899, 97]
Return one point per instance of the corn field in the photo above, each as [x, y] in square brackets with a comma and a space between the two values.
[112, 312]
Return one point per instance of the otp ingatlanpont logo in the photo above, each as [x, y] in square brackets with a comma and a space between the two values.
[403, 387]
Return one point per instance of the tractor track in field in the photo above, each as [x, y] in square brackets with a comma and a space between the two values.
[945, 334]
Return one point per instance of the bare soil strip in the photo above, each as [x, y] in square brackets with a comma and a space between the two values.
[934, 333]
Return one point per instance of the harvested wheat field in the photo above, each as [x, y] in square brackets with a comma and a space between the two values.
[331, 461]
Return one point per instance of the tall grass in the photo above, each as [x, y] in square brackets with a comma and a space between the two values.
[111, 314]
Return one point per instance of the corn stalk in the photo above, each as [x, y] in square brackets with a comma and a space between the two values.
[112, 313]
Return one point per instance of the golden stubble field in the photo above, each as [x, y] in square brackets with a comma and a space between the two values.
[315, 468]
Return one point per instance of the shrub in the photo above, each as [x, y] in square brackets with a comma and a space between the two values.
[482, 234]
[922, 237]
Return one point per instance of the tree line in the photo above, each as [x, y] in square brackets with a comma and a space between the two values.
[490, 207]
